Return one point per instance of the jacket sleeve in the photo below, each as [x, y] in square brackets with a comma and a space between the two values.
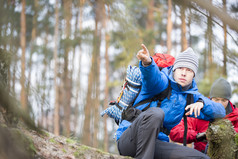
[210, 110]
[177, 133]
[235, 120]
[152, 78]
[236, 129]
[233, 117]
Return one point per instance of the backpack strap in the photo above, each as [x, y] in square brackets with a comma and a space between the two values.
[189, 101]
[130, 113]
[160, 97]
[234, 106]
[185, 130]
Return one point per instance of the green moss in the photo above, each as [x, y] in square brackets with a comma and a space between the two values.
[101, 152]
[78, 154]
[52, 140]
[222, 126]
[80, 151]
[32, 147]
[83, 148]
[46, 133]
[64, 150]
[24, 141]
[3, 125]
[236, 139]
[221, 138]
[70, 141]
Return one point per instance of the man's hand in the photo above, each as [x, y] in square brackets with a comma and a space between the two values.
[144, 55]
[194, 108]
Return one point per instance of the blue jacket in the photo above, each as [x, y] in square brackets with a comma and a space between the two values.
[155, 81]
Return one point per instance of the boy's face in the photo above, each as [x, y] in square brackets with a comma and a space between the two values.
[223, 101]
[183, 76]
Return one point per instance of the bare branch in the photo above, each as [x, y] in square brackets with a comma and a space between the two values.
[221, 14]
[196, 9]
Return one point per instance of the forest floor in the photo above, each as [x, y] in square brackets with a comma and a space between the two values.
[59, 147]
[45, 145]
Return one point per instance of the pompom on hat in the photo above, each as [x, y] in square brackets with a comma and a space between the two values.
[187, 59]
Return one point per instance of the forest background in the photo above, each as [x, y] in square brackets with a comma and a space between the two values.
[67, 58]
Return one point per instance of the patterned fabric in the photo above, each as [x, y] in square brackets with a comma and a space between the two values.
[128, 94]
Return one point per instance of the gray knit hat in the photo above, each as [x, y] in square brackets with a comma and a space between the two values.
[187, 59]
[221, 88]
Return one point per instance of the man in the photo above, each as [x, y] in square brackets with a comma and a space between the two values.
[220, 92]
[143, 138]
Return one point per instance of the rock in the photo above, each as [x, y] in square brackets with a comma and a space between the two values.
[221, 139]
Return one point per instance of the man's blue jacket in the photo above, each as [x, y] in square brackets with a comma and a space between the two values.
[155, 81]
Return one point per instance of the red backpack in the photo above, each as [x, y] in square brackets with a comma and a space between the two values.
[163, 60]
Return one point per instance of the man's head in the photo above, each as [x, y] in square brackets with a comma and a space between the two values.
[185, 67]
[221, 91]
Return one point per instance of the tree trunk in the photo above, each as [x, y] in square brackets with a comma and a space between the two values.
[97, 91]
[100, 15]
[150, 25]
[11, 75]
[169, 27]
[184, 42]
[189, 27]
[92, 100]
[106, 90]
[78, 85]
[23, 49]
[14, 65]
[77, 81]
[67, 83]
[44, 121]
[8, 69]
[56, 100]
[33, 39]
[224, 72]
[86, 139]
[205, 60]
[210, 37]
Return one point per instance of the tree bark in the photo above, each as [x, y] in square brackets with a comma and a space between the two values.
[43, 121]
[224, 72]
[184, 42]
[106, 90]
[92, 100]
[100, 15]
[150, 25]
[210, 38]
[23, 49]
[169, 27]
[56, 100]
[86, 139]
[67, 82]
[33, 39]
[78, 85]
